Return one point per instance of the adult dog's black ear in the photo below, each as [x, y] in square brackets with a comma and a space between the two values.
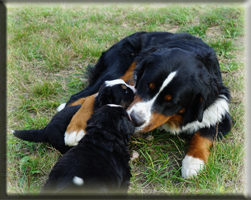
[196, 109]
[126, 126]
[147, 59]
[211, 63]
[139, 72]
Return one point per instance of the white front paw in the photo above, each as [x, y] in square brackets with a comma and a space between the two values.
[191, 166]
[72, 138]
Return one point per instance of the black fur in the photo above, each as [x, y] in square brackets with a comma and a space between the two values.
[196, 86]
[53, 133]
[199, 81]
[100, 159]
[112, 64]
[113, 95]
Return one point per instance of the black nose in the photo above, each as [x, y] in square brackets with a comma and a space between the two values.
[136, 120]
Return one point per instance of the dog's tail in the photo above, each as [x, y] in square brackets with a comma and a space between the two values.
[34, 135]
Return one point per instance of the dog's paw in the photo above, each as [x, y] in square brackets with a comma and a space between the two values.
[191, 166]
[72, 138]
[61, 107]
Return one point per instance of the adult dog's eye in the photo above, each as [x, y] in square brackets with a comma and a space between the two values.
[126, 91]
[168, 104]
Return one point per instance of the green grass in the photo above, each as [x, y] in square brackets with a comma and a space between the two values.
[49, 48]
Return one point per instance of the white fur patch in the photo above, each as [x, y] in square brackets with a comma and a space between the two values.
[61, 107]
[72, 138]
[191, 166]
[114, 105]
[119, 81]
[143, 109]
[77, 180]
[213, 114]
[12, 131]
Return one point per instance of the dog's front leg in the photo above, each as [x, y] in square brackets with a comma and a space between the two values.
[76, 129]
[197, 155]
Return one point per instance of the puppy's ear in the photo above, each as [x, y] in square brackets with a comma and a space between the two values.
[105, 96]
[126, 126]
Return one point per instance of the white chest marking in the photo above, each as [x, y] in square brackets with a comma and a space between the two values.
[211, 116]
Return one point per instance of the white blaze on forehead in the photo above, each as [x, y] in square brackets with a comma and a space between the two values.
[167, 81]
[117, 82]
[143, 109]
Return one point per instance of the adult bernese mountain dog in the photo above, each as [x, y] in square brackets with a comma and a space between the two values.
[111, 92]
[179, 88]
[99, 163]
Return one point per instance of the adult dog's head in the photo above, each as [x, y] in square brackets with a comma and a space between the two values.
[177, 88]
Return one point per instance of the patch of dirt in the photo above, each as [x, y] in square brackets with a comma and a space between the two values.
[214, 31]
[173, 29]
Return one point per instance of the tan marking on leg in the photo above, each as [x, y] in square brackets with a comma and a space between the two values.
[78, 122]
[199, 147]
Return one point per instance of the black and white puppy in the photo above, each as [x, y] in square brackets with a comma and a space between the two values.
[111, 92]
[99, 163]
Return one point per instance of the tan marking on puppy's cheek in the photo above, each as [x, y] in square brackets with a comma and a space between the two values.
[123, 87]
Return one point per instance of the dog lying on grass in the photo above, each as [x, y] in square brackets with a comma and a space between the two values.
[111, 92]
[99, 163]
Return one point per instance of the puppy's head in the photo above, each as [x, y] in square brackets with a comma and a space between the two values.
[114, 92]
[113, 120]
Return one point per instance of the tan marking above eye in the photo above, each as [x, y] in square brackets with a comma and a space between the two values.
[124, 86]
[182, 110]
[151, 86]
[168, 97]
